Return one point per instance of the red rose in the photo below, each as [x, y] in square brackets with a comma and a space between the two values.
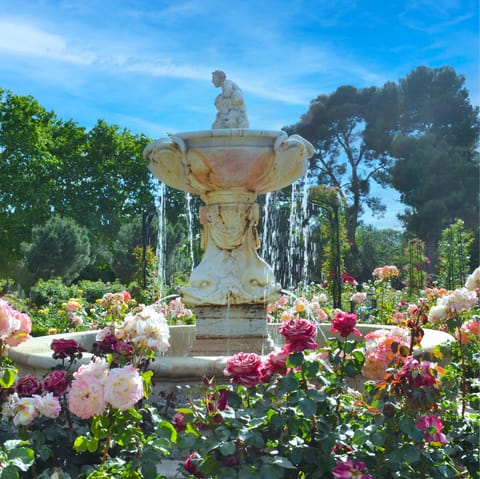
[344, 323]
[299, 334]
[64, 348]
[191, 464]
[178, 421]
[244, 369]
[123, 348]
[56, 382]
[28, 385]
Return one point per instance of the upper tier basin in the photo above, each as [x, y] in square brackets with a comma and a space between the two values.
[256, 161]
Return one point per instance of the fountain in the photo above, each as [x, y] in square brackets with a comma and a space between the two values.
[228, 166]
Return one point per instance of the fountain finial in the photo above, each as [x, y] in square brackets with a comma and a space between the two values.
[231, 110]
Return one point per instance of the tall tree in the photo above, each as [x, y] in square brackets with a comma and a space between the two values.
[436, 169]
[346, 129]
[29, 171]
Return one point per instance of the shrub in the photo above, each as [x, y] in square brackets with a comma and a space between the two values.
[59, 248]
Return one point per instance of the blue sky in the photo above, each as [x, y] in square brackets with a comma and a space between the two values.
[146, 64]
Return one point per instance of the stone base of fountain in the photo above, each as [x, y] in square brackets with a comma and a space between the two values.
[227, 330]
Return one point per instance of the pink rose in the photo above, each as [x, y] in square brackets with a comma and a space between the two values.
[28, 385]
[468, 331]
[244, 369]
[344, 323]
[123, 387]
[433, 425]
[48, 405]
[275, 364]
[57, 382]
[86, 397]
[350, 469]
[299, 335]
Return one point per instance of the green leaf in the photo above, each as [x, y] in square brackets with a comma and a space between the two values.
[227, 448]
[80, 444]
[92, 444]
[9, 473]
[22, 458]
[307, 406]
[8, 378]
[283, 462]
[410, 454]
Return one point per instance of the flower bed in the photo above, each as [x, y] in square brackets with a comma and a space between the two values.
[290, 414]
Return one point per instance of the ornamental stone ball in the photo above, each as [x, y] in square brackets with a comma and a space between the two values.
[231, 110]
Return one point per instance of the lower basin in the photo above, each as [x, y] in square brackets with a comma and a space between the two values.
[177, 366]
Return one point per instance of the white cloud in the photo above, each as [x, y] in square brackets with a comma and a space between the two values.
[18, 37]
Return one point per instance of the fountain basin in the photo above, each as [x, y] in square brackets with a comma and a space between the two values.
[177, 366]
[256, 161]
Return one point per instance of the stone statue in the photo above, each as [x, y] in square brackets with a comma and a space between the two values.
[231, 110]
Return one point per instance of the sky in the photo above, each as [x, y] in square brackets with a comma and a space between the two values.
[146, 65]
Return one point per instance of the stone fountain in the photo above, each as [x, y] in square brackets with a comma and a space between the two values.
[228, 166]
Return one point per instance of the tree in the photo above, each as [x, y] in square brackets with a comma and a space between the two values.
[59, 248]
[377, 248]
[434, 143]
[29, 171]
[347, 130]
[454, 255]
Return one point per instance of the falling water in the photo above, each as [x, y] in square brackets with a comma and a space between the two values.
[297, 254]
[161, 239]
[265, 225]
[292, 236]
[188, 203]
[304, 224]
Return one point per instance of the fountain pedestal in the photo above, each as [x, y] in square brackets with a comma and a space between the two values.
[229, 330]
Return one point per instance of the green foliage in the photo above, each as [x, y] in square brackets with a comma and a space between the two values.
[415, 272]
[454, 255]
[434, 142]
[60, 248]
[376, 247]
[331, 214]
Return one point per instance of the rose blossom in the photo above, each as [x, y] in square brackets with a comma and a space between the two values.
[468, 330]
[350, 469]
[28, 385]
[244, 369]
[379, 354]
[178, 421]
[147, 328]
[358, 297]
[473, 281]
[432, 423]
[64, 348]
[299, 335]
[24, 411]
[344, 323]
[85, 398]
[461, 299]
[190, 465]
[123, 387]
[56, 382]
[275, 364]
[15, 326]
[48, 405]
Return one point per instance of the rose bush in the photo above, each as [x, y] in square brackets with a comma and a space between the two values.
[300, 417]
[93, 422]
